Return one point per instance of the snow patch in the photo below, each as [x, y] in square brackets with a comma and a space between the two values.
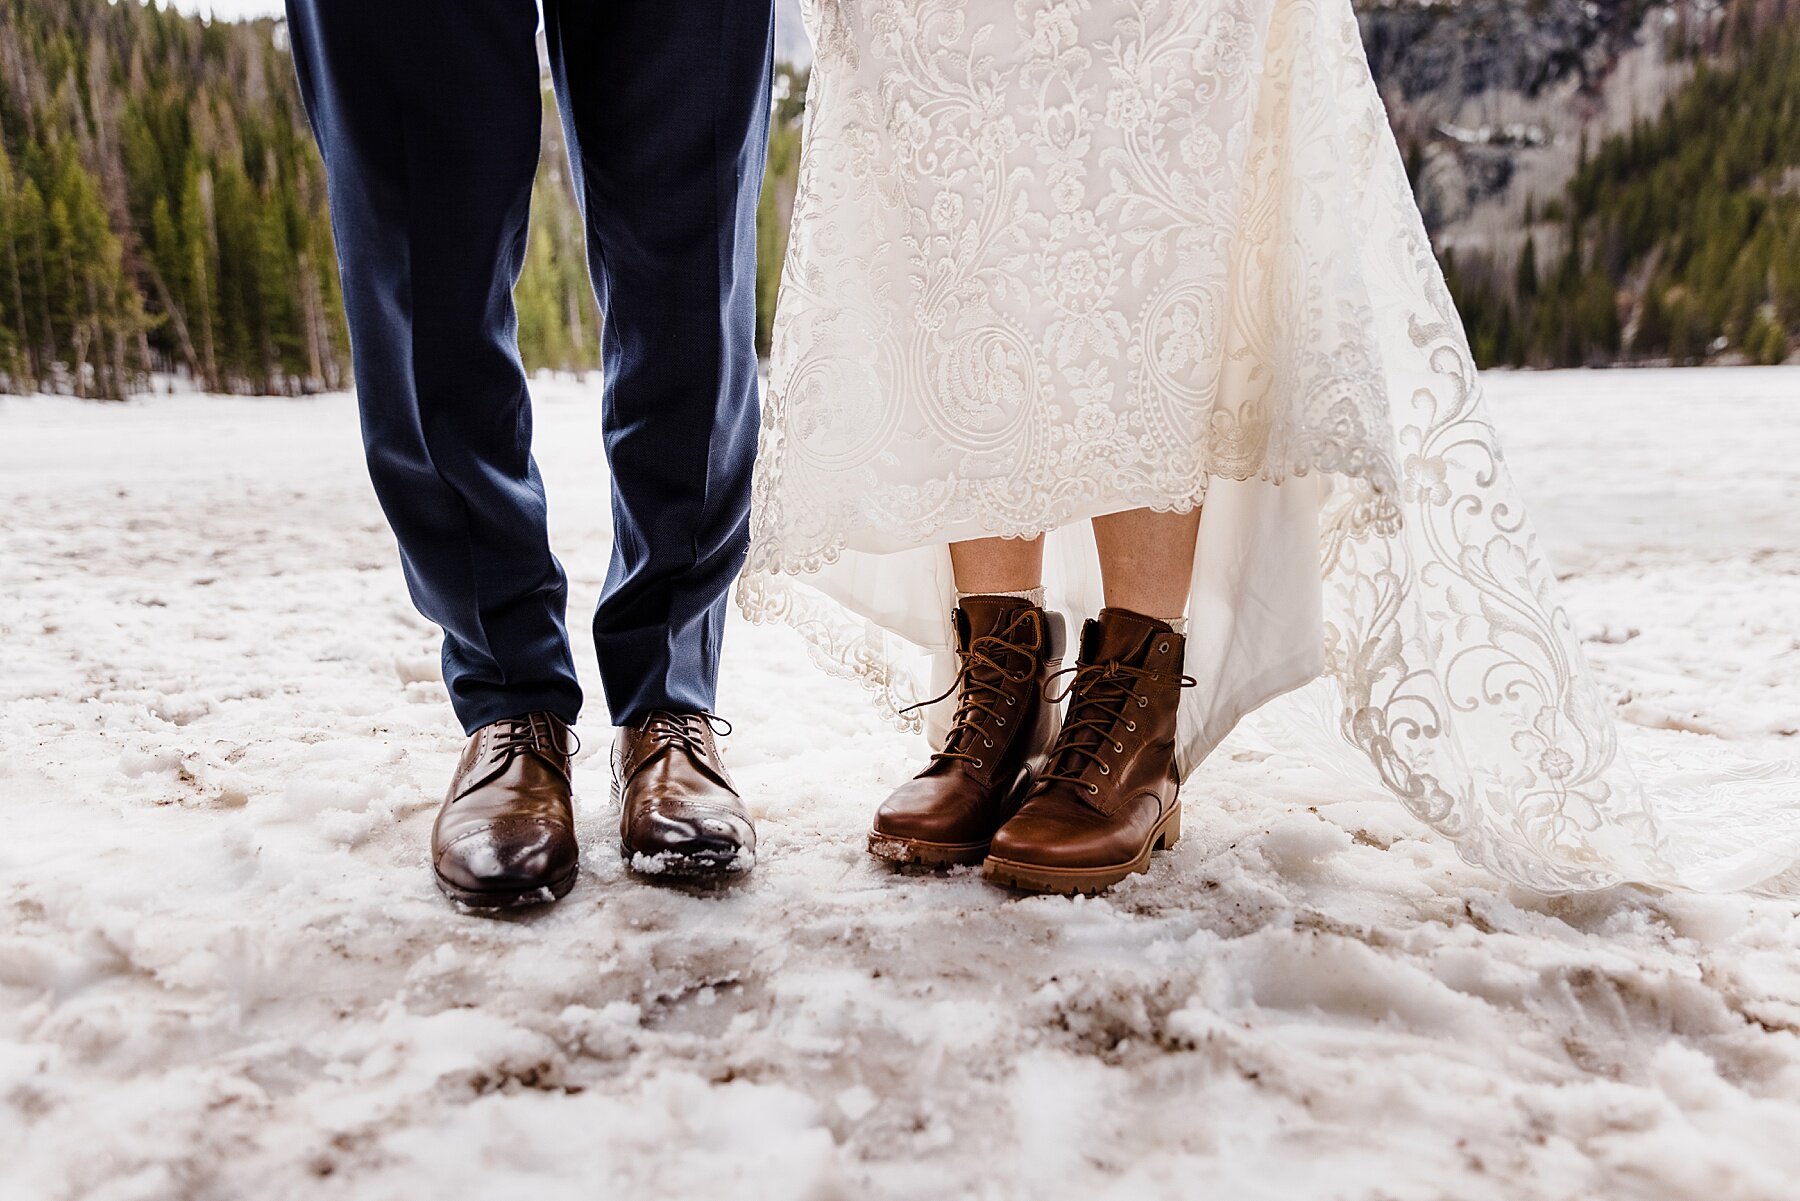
[225, 970]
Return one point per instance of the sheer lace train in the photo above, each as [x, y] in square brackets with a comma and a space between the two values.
[1058, 258]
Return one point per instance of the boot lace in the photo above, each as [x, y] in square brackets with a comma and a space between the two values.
[982, 681]
[1104, 696]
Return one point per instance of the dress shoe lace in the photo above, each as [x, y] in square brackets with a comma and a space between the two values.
[1104, 696]
[982, 680]
[685, 730]
[534, 732]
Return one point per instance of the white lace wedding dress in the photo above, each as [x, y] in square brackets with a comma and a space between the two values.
[1059, 258]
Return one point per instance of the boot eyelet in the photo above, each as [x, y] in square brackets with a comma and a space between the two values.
[977, 765]
[1105, 770]
[1143, 702]
[1094, 789]
[1010, 701]
[1132, 726]
[1002, 721]
[1119, 746]
[1163, 649]
[987, 742]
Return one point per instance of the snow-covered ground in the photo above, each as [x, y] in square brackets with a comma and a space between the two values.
[225, 972]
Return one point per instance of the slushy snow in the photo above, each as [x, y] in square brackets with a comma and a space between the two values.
[225, 971]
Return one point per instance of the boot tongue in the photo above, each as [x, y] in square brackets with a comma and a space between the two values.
[984, 616]
[1120, 636]
[979, 616]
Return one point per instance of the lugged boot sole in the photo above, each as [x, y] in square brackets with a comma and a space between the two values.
[911, 852]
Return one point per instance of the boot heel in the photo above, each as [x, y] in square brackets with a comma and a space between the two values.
[1169, 833]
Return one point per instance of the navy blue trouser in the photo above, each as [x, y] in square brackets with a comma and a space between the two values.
[427, 113]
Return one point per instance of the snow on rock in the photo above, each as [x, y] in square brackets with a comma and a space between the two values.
[225, 972]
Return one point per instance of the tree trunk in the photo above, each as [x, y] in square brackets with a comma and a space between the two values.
[312, 319]
[82, 335]
[177, 321]
[18, 307]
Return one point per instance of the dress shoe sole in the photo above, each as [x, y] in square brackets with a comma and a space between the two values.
[1082, 881]
[674, 865]
[510, 898]
[912, 852]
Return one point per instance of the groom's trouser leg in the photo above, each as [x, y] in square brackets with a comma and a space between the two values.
[666, 110]
[428, 113]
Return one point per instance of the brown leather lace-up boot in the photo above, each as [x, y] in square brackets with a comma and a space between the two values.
[1109, 795]
[1003, 726]
[506, 833]
[679, 813]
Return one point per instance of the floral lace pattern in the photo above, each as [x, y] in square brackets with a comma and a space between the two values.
[1051, 259]
[1057, 258]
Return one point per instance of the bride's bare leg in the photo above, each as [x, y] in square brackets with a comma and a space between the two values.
[1147, 560]
[992, 565]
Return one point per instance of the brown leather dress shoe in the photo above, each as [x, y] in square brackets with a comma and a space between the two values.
[506, 833]
[1110, 794]
[998, 737]
[680, 814]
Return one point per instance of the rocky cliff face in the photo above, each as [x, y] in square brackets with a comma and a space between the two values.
[1492, 99]
[1451, 52]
